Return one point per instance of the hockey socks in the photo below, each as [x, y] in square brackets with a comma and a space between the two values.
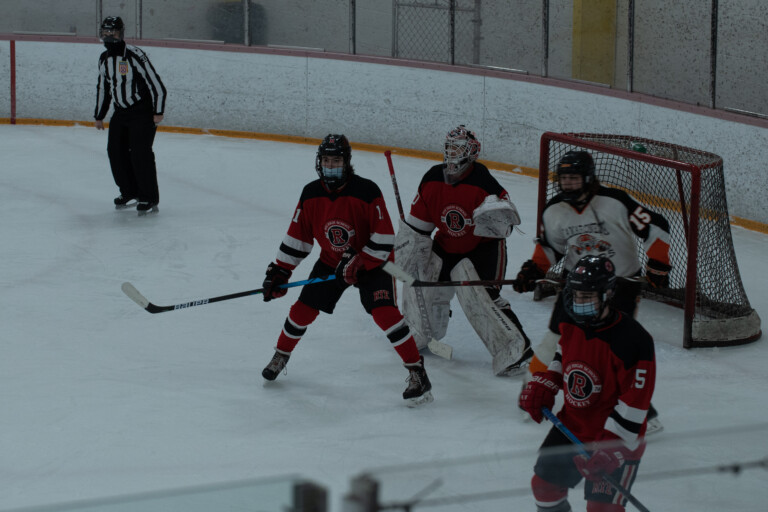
[389, 319]
[299, 318]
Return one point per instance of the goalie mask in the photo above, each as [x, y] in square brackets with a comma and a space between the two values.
[596, 276]
[335, 176]
[112, 30]
[461, 149]
[576, 163]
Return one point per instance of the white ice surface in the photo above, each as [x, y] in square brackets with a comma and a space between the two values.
[99, 398]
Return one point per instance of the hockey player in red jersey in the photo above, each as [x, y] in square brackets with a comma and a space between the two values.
[347, 216]
[605, 365]
[472, 216]
[588, 218]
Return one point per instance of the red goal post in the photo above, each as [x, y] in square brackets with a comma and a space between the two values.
[687, 186]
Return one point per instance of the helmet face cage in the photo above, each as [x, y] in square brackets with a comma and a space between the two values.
[334, 145]
[112, 29]
[576, 162]
[461, 149]
[591, 274]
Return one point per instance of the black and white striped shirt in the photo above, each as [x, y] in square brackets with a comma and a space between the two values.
[127, 79]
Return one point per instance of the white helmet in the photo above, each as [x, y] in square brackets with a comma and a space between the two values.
[461, 149]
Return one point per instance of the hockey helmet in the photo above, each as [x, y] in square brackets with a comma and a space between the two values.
[112, 29]
[334, 145]
[593, 273]
[461, 149]
[582, 164]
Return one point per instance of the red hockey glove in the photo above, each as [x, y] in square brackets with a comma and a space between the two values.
[349, 268]
[540, 392]
[276, 275]
[657, 273]
[526, 278]
[601, 463]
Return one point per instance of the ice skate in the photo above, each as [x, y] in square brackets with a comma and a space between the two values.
[144, 208]
[521, 365]
[419, 388]
[121, 203]
[276, 365]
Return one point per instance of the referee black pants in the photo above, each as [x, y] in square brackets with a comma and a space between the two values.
[129, 146]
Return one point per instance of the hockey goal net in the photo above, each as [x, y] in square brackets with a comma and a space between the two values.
[687, 186]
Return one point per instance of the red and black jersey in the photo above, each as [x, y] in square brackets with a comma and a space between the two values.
[609, 374]
[355, 216]
[449, 207]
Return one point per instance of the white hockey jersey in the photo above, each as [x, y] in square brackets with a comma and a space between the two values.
[610, 224]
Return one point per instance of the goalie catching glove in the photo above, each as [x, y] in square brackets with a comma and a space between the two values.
[526, 278]
[495, 217]
[657, 273]
[350, 268]
[276, 275]
[540, 392]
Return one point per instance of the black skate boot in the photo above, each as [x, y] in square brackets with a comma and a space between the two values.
[419, 388]
[276, 365]
[144, 208]
[121, 203]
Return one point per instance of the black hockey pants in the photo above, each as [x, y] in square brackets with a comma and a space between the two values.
[129, 146]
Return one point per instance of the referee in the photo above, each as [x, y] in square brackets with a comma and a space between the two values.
[128, 79]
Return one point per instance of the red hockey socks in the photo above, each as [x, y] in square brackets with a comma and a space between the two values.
[389, 319]
[299, 317]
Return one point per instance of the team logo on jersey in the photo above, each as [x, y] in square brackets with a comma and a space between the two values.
[586, 244]
[582, 385]
[122, 67]
[339, 233]
[456, 220]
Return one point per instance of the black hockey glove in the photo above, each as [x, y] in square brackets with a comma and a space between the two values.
[276, 275]
[526, 278]
[657, 273]
[349, 269]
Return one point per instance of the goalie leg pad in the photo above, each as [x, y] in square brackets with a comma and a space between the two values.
[428, 318]
[412, 249]
[498, 333]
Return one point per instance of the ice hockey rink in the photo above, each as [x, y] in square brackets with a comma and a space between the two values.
[102, 399]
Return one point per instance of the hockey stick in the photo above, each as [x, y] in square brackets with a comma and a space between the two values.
[436, 347]
[400, 274]
[142, 301]
[580, 448]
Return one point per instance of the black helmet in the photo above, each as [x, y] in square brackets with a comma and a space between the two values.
[334, 145]
[591, 274]
[581, 163]
[116, 28]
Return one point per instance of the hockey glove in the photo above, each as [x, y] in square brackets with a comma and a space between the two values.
[276, 275]
[350, 268]
[526, 278]
[657, 273]
[601, 463]
[540, 392]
